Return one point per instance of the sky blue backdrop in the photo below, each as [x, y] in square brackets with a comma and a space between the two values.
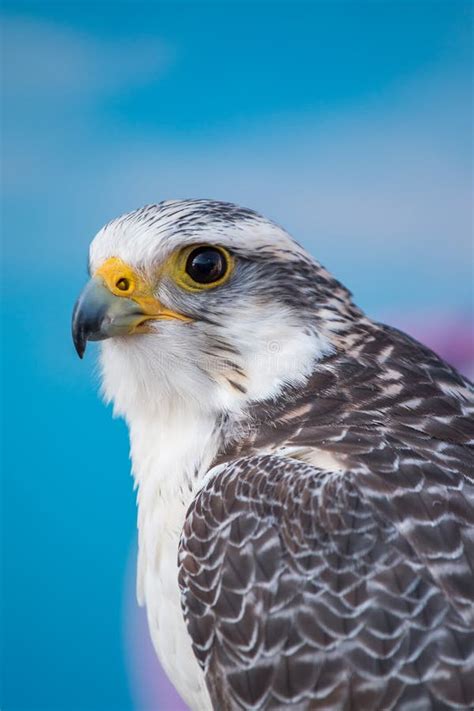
[348, 122]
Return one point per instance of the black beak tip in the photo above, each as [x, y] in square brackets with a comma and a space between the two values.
[79, 337]
[80, 346]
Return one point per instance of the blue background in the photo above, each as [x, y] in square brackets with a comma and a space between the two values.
[348, 122]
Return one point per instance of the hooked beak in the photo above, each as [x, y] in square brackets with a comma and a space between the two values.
[99, 314]
[106, 309]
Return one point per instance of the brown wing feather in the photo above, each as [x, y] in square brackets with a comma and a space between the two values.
[296, 592]
[347, 589]
[393, 412]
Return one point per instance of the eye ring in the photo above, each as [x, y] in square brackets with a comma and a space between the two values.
[181, 267]
[206, 266]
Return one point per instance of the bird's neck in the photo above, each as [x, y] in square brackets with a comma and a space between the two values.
[171, 451]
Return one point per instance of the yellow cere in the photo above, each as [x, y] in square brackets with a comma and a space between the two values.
[124, 281]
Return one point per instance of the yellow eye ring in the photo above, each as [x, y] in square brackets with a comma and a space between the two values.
[201, 267]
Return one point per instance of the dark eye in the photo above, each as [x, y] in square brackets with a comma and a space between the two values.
[205, 265]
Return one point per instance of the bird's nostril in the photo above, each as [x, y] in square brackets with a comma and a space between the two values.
[123, 284]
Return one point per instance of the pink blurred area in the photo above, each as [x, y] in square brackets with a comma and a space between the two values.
[452, 337]
[150, 688]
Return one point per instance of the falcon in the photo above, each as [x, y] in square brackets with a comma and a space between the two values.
[304, 474]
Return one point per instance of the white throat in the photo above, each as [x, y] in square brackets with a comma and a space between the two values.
[170, 455]
[174, 406]
[174, 441]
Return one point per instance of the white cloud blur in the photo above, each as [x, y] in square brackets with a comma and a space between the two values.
[44, 61]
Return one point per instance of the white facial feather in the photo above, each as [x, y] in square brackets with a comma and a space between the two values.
[148, 235]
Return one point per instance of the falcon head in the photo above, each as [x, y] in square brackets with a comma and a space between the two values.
[205, 301]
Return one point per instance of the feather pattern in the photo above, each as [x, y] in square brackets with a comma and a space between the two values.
[350, 587]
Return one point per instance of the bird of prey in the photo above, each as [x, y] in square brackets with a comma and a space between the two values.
[304, 474]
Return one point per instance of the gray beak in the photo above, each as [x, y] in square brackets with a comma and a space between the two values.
[99, 314]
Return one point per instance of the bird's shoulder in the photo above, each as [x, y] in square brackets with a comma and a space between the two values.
[340, 530]
[382, 395]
